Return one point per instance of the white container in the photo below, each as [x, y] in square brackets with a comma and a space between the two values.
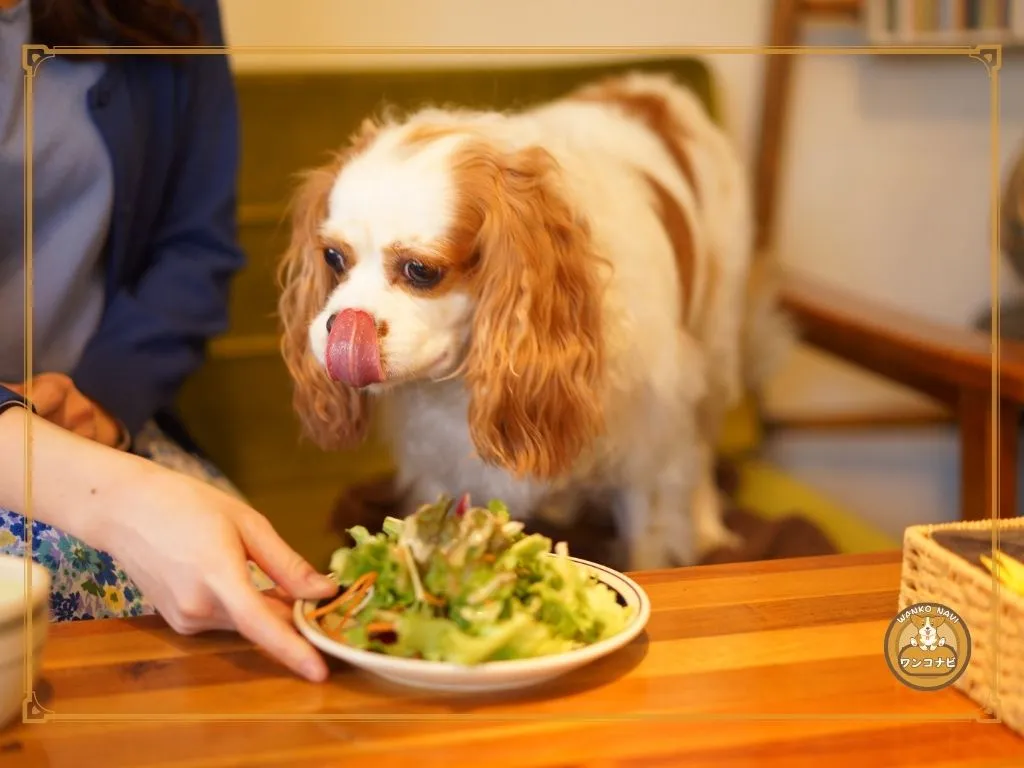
[13, 598]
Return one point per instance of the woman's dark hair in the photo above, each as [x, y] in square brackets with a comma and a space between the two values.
[113, 22]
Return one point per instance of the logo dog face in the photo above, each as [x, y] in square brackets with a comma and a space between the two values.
[927, 634]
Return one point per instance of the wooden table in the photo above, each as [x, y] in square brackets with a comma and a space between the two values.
[768, 664]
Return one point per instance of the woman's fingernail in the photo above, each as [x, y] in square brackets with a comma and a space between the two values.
[319, 581]
[314, 670]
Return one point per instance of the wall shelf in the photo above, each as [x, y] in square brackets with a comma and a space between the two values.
[943, 22]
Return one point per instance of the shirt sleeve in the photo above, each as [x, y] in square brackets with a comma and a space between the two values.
[154, 334]
[11, 399]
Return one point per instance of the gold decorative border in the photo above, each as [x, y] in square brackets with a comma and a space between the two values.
[990, 56]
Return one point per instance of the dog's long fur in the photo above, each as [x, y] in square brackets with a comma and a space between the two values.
[594, 317]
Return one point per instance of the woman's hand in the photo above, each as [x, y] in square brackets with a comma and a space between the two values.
[186, 544]
[57, 400]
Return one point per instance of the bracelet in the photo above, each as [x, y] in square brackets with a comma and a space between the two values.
[125, 443]
[10, 399]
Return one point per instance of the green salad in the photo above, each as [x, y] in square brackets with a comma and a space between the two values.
[464, 584]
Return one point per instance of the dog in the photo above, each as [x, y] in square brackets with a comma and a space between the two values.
[544, 306]
[927, 637]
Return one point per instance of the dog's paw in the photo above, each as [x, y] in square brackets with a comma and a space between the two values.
[649, 556]
[712, 534]
[709, 530]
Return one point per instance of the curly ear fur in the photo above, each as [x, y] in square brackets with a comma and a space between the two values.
[332, 414]
[534, 367]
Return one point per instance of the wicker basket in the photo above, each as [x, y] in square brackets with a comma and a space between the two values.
[933, 573]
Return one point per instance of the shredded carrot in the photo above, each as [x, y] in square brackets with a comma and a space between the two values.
[487, 558]
[429, 598]
[354, 603]
[349, 611]
[355, 593]
[380, 626]
[331, 633]
[356, 590]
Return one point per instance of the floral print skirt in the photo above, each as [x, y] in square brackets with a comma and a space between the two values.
[88, 583]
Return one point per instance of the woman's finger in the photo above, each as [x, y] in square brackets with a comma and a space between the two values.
[48, 395]
[269, 628]
[280, 607]
[278, 594]
[286, 567]
[222, 620]
[79, 417]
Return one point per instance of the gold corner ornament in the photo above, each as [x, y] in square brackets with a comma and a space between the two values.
[33, 710]
[927, 646]
[991, 56]
[33, 55]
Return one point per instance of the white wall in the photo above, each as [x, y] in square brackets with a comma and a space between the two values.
[886, 179]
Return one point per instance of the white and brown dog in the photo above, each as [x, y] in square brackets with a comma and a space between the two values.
[551, 304]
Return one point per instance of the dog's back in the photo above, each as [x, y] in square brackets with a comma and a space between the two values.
[669, 203]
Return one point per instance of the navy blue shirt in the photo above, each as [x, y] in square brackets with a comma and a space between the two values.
[170, 125]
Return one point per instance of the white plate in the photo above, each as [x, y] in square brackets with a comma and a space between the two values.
[492, 675]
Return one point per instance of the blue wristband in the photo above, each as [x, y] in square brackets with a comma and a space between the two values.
[9, 399]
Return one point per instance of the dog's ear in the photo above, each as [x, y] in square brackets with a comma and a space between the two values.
[917, 621]
[333, 415]
[535, 367]
[938, 621]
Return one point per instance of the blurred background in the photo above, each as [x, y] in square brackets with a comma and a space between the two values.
[883, 190]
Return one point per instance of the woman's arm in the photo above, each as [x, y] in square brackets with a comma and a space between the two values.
[154, 333]
[90, 477]
[183, 542]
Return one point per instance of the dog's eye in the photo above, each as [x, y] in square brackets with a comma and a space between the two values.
[421, 275]
[334, 259]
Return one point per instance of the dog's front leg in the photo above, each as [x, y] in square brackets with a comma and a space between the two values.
[709, 526]
[642, 525]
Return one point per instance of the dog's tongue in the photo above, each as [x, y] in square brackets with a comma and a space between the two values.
[353, 353]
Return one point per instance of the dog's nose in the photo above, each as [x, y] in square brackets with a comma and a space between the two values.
[330, 321]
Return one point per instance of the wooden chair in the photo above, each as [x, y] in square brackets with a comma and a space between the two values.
[238, 406]
[951, 365]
